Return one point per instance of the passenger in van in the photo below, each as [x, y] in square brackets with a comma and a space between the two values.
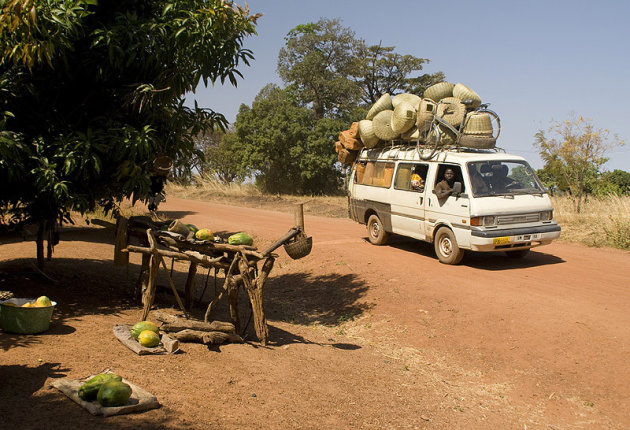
[479, 186]
[500, 181]
[417, 183]
[444, 188]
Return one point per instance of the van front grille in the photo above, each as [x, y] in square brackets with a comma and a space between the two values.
[518, 219]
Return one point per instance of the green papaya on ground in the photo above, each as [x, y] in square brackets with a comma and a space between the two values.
[142, 326]
[89, 390]
[113, 393]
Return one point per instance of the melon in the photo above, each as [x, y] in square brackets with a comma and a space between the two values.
[204, 234]
[42, 302]
[89, 390]
[113, 393]
[240, 239]
[149, 339]
[142, 326]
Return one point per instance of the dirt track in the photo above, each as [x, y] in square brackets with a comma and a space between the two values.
[362, 336]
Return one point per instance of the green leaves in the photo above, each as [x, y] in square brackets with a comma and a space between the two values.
[87, 86]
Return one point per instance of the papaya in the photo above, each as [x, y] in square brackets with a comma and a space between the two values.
[192, 228]
[240, 239]
[89, 389]
[113, 393]
[42, 302]
[149, 339]
[142, 326]
[204, 234]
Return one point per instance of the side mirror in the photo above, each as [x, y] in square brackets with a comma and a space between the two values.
[457, 188]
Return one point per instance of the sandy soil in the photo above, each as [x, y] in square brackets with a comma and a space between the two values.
[361, 336]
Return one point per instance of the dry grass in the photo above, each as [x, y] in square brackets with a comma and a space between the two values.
[249, 196]
[602, 222]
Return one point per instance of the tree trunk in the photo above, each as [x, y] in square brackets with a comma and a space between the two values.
[41, 234]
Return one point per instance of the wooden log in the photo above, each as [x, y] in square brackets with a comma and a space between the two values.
[254, 288]
[143, 277]
[171, 323]
[170, 345]
[148, 295]
[206, 337]
[198, 258]
[190, 284]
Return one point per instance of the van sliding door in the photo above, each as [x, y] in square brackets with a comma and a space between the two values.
[407, 200]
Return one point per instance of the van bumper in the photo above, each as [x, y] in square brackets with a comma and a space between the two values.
[513, 238]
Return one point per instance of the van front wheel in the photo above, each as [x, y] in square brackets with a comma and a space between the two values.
[446, 247]
[376, 233]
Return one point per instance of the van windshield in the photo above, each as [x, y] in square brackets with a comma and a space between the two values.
[491, 178]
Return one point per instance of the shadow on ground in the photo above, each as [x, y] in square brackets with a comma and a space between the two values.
[479, 260]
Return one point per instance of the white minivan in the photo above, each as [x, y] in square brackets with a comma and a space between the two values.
[497, 202]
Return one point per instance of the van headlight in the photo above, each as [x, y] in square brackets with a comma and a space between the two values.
[483, 220]
[546, 215]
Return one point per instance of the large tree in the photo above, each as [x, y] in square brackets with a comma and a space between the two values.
[93, 92]
[317, 60]
[575, 150]
[381, 70]
[281, 144]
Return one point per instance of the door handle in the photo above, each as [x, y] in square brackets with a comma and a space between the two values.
[420, 200]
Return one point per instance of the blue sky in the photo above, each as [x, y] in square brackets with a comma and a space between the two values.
[533, 61]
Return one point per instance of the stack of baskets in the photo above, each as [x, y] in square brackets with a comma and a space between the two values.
[408, 118]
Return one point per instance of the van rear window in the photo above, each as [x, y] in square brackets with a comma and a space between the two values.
[377, 174]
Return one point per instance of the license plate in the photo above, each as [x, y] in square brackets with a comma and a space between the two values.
[501, 240]
[526, 237]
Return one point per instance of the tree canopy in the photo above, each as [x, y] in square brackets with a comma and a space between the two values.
[93, 91]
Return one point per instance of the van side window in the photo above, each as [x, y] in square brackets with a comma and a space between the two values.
[457, 171]
[411, 177]
[378, 174]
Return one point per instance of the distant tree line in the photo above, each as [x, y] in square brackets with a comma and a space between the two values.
[285, 139]
[574, 152]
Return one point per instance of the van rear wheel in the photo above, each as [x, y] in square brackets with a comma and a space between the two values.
[376, 232]
[446, 247]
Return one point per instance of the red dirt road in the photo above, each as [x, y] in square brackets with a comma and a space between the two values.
[361, 337]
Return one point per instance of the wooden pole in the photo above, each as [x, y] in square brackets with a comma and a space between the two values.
[170, 281]
[299, 215]
[254, 288]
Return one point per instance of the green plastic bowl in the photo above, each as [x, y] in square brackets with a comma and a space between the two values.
[16, 319]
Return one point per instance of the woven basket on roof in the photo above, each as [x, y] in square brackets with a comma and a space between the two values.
[382, 124]
[403, 117]
[452, 111]
[426, 112]
[383, 103]
[412, 99]
[477, 142]
[478, 123]
[447, 137]
[366, 133]
[411, 135]
[439, 91]
[470, 98]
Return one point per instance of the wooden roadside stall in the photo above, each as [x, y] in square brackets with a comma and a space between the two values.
[242, 265]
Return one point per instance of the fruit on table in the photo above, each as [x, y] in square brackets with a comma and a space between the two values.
[142, 326]
[114, 393]
[42, 302]
[192, 228]
[89, 390]
[27, 305]
[9, 304]
[149, 339]
[240, 239]
[204, 234]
